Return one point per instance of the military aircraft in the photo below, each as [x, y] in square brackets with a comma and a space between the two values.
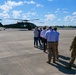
[1, 25]
[20, 24]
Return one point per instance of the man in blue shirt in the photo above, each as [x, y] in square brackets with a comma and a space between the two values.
[51, 39]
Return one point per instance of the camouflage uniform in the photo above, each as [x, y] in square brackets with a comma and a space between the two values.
[73, 57]
[73, 53]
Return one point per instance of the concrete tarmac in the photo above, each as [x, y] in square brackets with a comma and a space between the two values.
[19, 57]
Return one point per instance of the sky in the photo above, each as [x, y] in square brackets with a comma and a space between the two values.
[49, 12]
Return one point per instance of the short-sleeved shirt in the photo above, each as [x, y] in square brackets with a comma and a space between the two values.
[36, 33]
[57, 36]
[50, 36]
[43, 33]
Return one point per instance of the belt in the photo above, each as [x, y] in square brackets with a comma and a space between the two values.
[51, 42]
[56, 41]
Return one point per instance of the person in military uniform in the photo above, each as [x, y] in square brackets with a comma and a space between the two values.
[73, 53]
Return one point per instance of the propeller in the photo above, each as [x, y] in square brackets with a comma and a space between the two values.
[23, 20]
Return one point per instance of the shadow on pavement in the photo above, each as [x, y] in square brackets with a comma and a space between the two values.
[61, 65]
[64, 57]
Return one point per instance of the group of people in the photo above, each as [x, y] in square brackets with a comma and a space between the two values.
[48, 39]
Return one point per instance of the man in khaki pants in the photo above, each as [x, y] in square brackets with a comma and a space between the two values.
[51, 51]
[57, 41]
[50, 36]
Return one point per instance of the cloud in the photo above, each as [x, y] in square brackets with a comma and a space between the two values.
[64, 9]
[28, 15]
[16, 13]
[30, 2]
[74, 13]
[13, 3]
[24, 16]
[67, 18]
[50, 0]
[39, 5]
[34, 13]
[59, 19]
[65, 12]
[9, 5]
[57, 10]
[5, 15]
[5, 8]
[73, 18]
[70, 18]
[50, 17]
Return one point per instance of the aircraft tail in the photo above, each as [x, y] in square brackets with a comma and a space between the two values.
[1, 25]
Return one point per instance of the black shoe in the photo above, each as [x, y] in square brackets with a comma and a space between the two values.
[53, 61]
[48, 62]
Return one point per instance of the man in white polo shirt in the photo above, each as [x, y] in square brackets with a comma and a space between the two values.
[43, 38]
